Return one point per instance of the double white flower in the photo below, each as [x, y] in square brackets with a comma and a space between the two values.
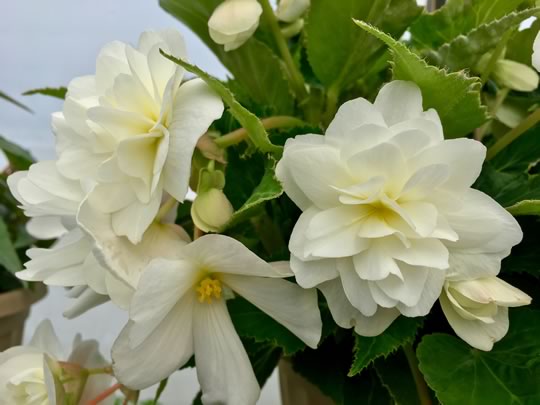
[179, 309]
[128, 133]
[27, 378]
[388, 210]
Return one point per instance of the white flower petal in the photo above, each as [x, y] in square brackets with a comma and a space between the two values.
[45, 339]
[85, 299]
[376, 324]
[356, 289]
[492, 289]
[166, 349]
[399, 101]
[195, 107]
[290, 305]
[430, 292]
[47, 227]
[353, 114]
[223, 367]
[309, 274]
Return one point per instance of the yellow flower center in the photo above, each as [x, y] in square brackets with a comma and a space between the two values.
[207, 289]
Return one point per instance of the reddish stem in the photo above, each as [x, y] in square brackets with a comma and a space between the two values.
[104, 395]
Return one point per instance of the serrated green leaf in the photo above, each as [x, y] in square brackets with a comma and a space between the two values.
[327, 369]
[520, 154]
[254, 66]
[8, 254]
[368, 349]
[457, 17]
[465, 50]
[337, 52]
[257, 133]
[509, 374]
[525, 207]
[19, 158]
[56, 92]
[455, 96]
[11, 100]
[396, 377]
[268, 189]
[251, 322]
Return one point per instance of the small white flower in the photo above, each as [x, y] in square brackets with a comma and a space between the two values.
[477, 309]
[179, 309]
[233, 22]
[128, 133]
[388, 209]
[25, 376]
[291, 10]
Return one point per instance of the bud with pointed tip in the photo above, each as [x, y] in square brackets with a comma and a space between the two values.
[233, 22]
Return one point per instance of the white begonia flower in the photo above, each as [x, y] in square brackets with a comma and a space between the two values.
[291, 10]
[26, 379]
[179, 309]
[233, 22]
[388, 209]
[128, 133]
[477, 309]
[536, 53]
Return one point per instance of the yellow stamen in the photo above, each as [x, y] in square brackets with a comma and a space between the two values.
[207, 289]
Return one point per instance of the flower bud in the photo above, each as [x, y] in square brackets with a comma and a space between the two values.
[234, 22]
[515, 76]
[211, 210]
[291, 10]
[477, 309]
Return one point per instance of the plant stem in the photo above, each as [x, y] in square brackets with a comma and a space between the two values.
[104, 395]
[102, 370]
[296, 77]
[501, 96]
[421, 386]
[513, 134]
[237, 136]
[495, 57]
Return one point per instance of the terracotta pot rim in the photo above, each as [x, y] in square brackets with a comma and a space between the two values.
[20, 300]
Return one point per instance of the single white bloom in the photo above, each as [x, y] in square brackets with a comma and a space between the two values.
[291, 10]
[536, 53]
[388, 209]
[477, 309]
[26, 379]
[179, 309]
[233, 22]
[128, 132]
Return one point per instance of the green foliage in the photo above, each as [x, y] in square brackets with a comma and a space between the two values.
[465, 50]
[525, 257]
[455, 96]
[396, 377]
[520, 46]
[253, 65]
[368, 349]
[525, 207]
[250, 322]
[56, 92]
[19, 158]
[8, 255]
[327, 368]
[508, 374]
[457, 17]
[256, 131]
[11, 100]
[338, 53]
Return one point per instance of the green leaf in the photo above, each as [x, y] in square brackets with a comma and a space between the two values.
[396, 377]
[337, 52]
[455, 96]
[257, 133]
[520, 154]
[525, 257]
[251, 322]
[8, 254]
[525, 207]
[264, 358]
[11, 100]
[254, 65]
[520, 46]
[509, 374]
[327, 368]
[268, 189]
[368, 349]
[57, 92]
[465, 50]
[457, 17]
[19, 158]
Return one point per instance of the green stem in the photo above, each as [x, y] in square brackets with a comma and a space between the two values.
[296, 77]
[237, 136]
[102, 370]
[495, 57]
[513, 134]
[421, 386]
[501, 96]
